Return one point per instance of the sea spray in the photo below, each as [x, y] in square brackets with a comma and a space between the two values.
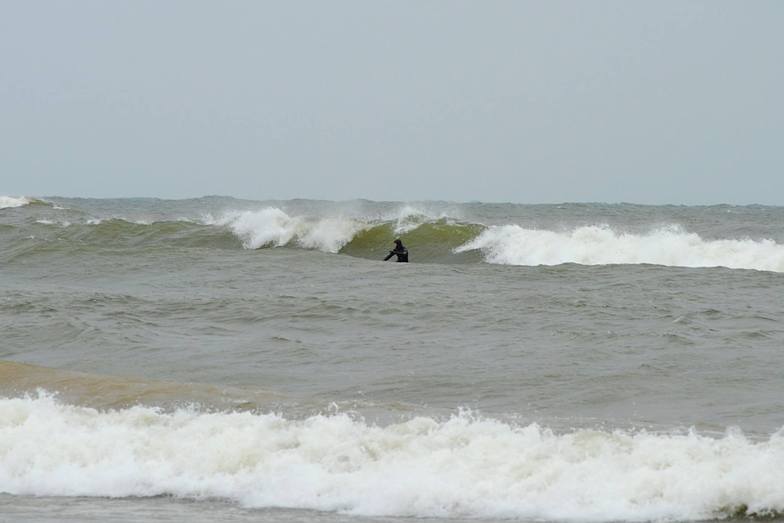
[409, 218]
[271, 227]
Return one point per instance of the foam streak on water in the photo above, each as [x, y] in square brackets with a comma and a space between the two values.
[458, 467]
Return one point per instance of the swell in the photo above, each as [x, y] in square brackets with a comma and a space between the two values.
[462, 466]
[49, 237]
[430, 238]
[433, 239]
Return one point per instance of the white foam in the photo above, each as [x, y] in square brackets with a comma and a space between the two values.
[271, 227]
[10, 201]
[601, 245]
[461, 467]
[329, 234]
[45, 221]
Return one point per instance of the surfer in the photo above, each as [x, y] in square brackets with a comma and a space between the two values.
[400, 251]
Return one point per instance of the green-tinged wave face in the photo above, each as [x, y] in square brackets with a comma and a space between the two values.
[177, 233]
[119, 235]
[429, 242]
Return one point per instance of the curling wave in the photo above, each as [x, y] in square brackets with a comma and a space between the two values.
[597, 245]
[433, 238]
[460, 467]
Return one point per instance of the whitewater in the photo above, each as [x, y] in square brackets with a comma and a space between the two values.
[218, 359]
[10, 201]
[601, 245]
[461, 466]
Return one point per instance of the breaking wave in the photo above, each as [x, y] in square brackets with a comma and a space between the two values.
[10, 201]
[459, 467]
[434, 238]
[597, 245]
[430, 237]
[442, 239]
[271, 227]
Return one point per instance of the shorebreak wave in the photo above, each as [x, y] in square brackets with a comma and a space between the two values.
[459, 467]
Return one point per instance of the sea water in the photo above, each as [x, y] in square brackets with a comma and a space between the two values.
[218, 359]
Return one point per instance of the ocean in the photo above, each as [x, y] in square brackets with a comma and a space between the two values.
[218, 359]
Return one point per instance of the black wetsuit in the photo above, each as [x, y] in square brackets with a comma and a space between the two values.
[400, 251]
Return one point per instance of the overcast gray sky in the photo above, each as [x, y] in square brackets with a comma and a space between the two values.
[549, 101]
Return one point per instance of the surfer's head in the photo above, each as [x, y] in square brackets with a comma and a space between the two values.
[398, 242]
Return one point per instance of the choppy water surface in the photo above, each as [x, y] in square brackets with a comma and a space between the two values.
[221, 359]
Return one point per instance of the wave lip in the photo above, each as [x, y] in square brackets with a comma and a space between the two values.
[11, 201]
[366, 236]
[460, 467]
[271, 227]
[410, 218]
[601, 245]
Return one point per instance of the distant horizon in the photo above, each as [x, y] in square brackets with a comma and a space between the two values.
[414, 200]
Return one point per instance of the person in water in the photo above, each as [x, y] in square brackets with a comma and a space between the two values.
[400, 251]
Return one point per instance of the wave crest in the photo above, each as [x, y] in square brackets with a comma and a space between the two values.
[430, 237]
[271, 227]
[460, 467]
[600, 245]
[11, 201]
